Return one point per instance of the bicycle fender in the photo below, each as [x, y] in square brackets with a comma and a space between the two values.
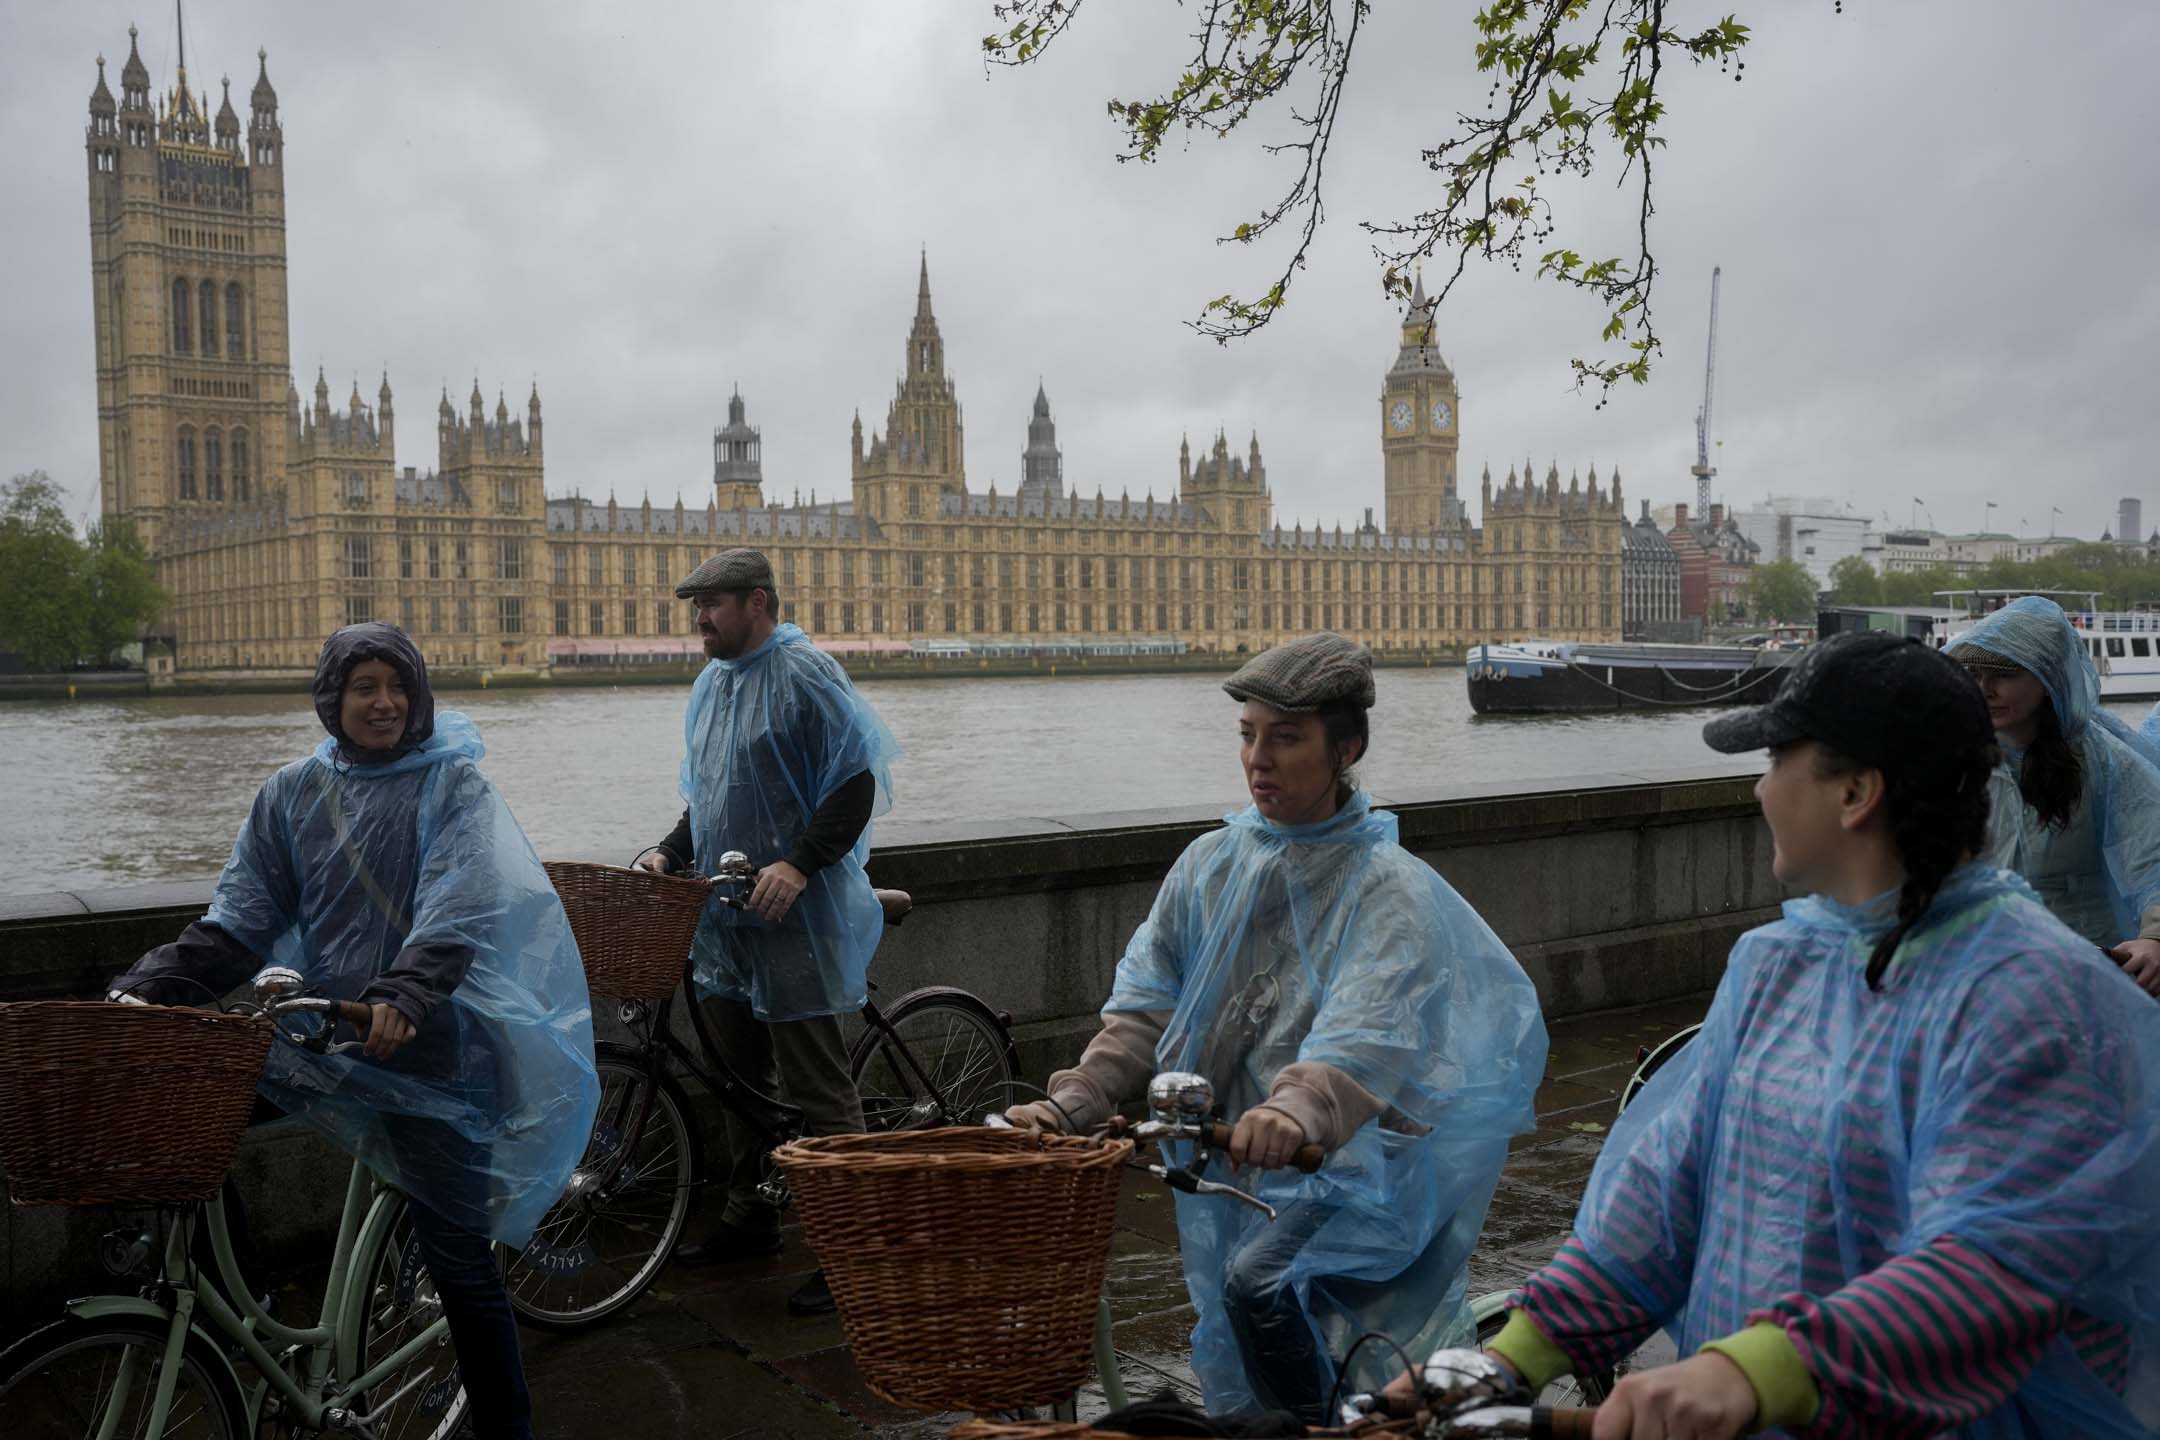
[100, 1307]
[97, 1307]
[1485, 1307]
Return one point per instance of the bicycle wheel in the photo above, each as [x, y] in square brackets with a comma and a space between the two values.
[402, 1302]
[1653, 1061]
[61, 1383]
[957, 1043]
[1569, 1391]
[600, 1245]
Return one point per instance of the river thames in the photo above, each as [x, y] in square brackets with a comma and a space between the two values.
[113, 792]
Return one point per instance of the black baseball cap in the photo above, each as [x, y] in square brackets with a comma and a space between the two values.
[1875, 698]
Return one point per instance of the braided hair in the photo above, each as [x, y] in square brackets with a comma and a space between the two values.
[1938, 812]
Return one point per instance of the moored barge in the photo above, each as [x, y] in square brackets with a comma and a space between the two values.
[1535, 677]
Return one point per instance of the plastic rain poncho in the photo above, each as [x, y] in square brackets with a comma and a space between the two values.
[1331, 943]
[1998, 1088]
[2101, 872]
[768, 739]
[340, 867]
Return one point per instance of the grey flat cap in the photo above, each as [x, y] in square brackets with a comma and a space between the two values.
[1305, 674]
[739, 569]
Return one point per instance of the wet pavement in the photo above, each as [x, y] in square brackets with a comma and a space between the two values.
[714, 1353]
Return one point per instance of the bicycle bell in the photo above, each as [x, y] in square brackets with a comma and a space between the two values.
[734, 865]
[275, 983]
[1181, 1094]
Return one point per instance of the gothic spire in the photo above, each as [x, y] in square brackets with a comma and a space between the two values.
[134, 75]
[922, 289]
[264, 96]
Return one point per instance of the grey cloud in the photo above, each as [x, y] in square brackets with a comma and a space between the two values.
[1932, 219]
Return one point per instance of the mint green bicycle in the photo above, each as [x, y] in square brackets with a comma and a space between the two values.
[166, 1361]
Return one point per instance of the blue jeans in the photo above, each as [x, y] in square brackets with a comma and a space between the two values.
[483, 1328]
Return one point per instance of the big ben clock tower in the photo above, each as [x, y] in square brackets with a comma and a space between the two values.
[1420, 428]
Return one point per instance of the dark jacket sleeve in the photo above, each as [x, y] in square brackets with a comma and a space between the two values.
[837, 825]
[200, 968]
[420, 978]
[678, 845]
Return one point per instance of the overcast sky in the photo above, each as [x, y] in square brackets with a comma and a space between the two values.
[1935, 222]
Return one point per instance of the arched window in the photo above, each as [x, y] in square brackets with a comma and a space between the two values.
[235, 330]
[183, 303]
[185, 449]
[213, 446]
[240, 466]
[209, 318]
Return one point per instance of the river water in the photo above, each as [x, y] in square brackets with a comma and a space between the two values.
[112, 792]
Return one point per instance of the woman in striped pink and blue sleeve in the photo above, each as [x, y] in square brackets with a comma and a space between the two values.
[1902, 1183]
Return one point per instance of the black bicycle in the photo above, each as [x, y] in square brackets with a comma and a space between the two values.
[940, 1056]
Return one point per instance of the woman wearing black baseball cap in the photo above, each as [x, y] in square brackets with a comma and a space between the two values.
[1903, 1181]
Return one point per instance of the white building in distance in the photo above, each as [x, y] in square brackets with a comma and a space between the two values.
[1812, 531]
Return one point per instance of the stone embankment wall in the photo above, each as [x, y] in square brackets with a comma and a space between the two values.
[1612, 891]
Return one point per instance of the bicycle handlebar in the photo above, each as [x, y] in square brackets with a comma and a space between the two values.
[1489, 1422]
[1306, 1158]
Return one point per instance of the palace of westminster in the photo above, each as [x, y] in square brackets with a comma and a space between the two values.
[273, 522]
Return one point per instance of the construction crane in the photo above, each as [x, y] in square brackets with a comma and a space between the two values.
[1703, 470]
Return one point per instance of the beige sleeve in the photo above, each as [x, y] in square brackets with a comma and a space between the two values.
[1327, 1105]
[1113, 1068]
[2149, 923]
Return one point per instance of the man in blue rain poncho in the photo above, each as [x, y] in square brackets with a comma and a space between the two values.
[2075, 807]
[385, 868]
[1336, 991]
[784, 762]
[1903, 1183]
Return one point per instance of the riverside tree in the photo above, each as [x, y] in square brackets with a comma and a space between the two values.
[1781, 590]
[1575, 85]
[1854, 582]
[64, 599]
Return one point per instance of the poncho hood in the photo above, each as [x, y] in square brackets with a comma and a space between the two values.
[373, 640]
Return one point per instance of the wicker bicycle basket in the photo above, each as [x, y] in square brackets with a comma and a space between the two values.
[633, 927]
[123, 1104]
[966, 1263]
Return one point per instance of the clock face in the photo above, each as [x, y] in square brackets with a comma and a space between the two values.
[1442, 416]
[1399, 417]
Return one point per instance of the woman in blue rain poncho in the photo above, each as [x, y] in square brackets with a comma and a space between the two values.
[2076, 800]
[385, 868]
[1336, 991]
[1903, 1182]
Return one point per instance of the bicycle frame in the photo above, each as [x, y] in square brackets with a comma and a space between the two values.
[775, 1122]
[331, 1347]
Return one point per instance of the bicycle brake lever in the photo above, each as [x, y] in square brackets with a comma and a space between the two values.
[1191, 1184]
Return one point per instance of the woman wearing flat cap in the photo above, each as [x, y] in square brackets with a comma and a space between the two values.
[1336, 992]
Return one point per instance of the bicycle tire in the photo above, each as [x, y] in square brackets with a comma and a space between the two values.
[207, 1404]
[567, 1276]
[400, 1302]
[960, 1043]
[1659, 1057]
[1567, 1392]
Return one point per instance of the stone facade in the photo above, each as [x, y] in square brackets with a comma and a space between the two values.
[273, 523]
[1649, 582]
[1715, 559]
